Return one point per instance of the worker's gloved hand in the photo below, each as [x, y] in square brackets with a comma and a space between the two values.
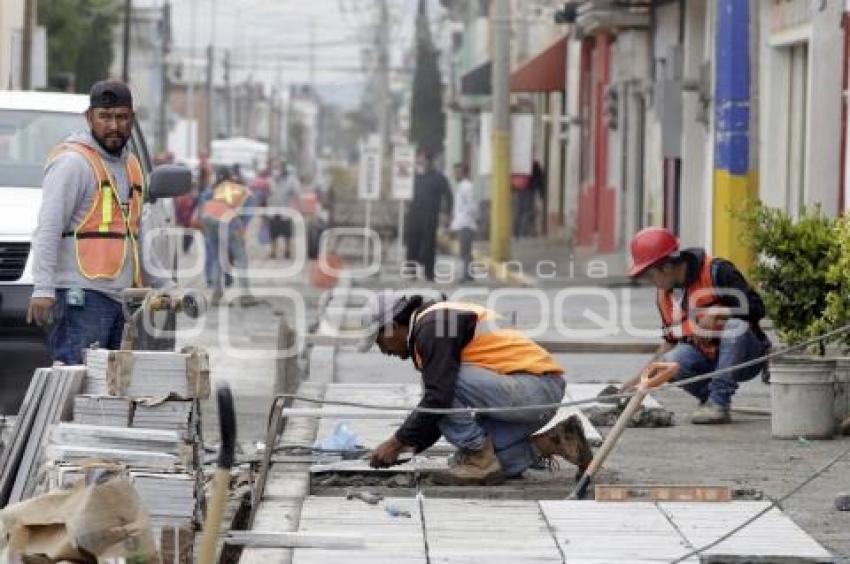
[40, 311]
[386, 453]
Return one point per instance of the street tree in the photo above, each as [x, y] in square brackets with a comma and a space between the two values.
[79, 41]
[427, 118]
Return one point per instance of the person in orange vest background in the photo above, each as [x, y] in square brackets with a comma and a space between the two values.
[86, 248]
[466, 360]
[709, 315]
[224, 229]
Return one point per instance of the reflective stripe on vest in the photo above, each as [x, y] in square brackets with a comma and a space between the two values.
[100, 239]
[699, 294]
[106, 208]
[504, 351]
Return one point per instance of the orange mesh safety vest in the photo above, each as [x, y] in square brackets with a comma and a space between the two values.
[504, 351]
[700, 294]
[227, 198]
[102, 237]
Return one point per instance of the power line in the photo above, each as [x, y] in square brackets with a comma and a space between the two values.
[775, 503]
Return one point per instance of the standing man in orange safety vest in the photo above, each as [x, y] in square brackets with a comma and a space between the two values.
[709, 315]
[86, 248]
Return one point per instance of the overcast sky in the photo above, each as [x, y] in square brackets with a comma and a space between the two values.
[271, 38]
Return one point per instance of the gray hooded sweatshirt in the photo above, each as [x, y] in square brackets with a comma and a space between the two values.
[68, 190]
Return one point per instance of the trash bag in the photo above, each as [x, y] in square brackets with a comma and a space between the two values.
[343, 439]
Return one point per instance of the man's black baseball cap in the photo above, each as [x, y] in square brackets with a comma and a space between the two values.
[110, 94]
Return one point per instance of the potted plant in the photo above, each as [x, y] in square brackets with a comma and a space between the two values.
[798, 286]
[837, 314]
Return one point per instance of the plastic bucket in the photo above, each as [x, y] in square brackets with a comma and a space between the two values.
[802, 398]
[842, 389]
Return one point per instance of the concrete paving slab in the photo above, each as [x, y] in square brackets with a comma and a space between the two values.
[387, 538]
[478, 530]
[467, 531]
[772, 535]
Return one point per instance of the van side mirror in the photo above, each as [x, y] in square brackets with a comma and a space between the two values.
[169, 181]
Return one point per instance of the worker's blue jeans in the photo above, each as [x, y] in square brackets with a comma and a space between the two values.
[233, 248]
[510, 431]
[738, 344]
[74, 328]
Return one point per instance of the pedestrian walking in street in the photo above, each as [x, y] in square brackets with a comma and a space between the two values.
[430, 190]
[205, 187]
[224, 225]
[465, 219]
[526, 191]
[86, 246]
[467, 361]
[709, 315]
[285, 193]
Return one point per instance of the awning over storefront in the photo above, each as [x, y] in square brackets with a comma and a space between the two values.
[478, 81]
[545, 72]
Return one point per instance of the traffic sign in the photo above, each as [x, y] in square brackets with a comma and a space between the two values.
[369, 180]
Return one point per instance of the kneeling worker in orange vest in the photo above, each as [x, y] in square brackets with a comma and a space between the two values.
[86, 247]
[467, 361]
[709, 314]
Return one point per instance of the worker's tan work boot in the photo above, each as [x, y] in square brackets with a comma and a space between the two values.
[472, 468]
[710, 413]
[567, 440]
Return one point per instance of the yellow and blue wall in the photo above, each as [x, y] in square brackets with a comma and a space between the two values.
[735, 179]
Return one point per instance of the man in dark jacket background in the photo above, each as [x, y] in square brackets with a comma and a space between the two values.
[430, 189]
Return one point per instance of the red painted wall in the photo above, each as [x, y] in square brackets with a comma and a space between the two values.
[597, 201]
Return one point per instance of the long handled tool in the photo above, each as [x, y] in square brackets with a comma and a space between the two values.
[221, 480]
[655, 374]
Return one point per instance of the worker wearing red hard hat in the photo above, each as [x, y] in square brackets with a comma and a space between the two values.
[709, 314]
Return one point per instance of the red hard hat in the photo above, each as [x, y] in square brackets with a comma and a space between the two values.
[650, 245]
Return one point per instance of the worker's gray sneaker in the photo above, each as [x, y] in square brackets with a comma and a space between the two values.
[710, 413]
[567, 440]
[475, 468]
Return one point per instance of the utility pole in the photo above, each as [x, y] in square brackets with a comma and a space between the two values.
[190, 85]
[276, 116]
[162, 129]
[125, 61]
[26, 45]
[211, 126]
[210, 89]
[312, 53]
[228, 94]
[382, 46]
[500, 209]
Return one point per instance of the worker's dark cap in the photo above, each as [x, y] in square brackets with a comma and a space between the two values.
[110, 94]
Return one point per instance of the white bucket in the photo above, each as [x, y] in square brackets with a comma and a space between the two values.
[802, 397]
[842, 389]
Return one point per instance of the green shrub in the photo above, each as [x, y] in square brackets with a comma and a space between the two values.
[801, 267]
[837, 312]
